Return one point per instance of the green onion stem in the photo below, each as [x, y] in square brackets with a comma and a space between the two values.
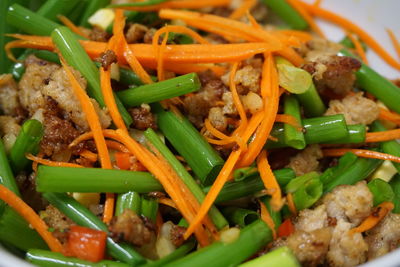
[93, 180]
[251, 185]
[130, 200]
[6, 174]
[293, 137]
[239, 216]
[312, 102]
[381, 190]
[47, 55]
[18, 68]
[92, 7]
[155, 92]
[190, 144]
[395, 184]
[156, 142]
[275, 215]
[356, 134]
[83, 217]
[177, 254]
[138, 4]
[77, 58]
[282, 256]
[27, 141]
[251, 239]
[149, 208]
[52, 8]
[4, 29]
[15, 231]
[389, 147]
[377, 85]
[287, 13]
[346, 42]
[45, 258]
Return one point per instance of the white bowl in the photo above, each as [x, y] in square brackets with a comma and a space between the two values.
[373, 16]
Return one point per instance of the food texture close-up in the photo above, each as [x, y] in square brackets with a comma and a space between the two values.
[152, 133]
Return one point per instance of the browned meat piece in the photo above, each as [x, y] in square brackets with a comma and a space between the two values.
[309, 220]
[37, 74]
[246, 78]
[198, 105]
[99, 35]
[217, 119]
[143, 118]
[58, 132]
[177, 235]
[130, 227]
[346, 249]
[252, 102]
[310, 248]
[9, 103]
[9, 129]
[306, 161]
[384, 237]
[107, 58]
[136, 33]
[355, 108]
[58, 221]
[27, 186]
[333, 74]
[349, 202]
[148, 37]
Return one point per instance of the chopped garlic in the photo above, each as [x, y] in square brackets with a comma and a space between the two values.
[87, 199]
[385, 172]
[102, 18]
[230, 235]
[114, 69]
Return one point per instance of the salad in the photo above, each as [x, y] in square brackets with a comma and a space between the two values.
[192, 133]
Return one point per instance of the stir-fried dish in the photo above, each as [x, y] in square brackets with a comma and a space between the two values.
[194, 133]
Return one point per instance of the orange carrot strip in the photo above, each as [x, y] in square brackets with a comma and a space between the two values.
[350, 26]
[116, 146]
[160, 56]
[286, 228]
[317, 2]
[270, 94]
[288, 119]
[189, 4]
[306, 16]
[395, 41]
[303, 36]
[180, 29]
[123, 160]
[235, 96]
[376, 216]
[382, 136]
[246, 6]
[52, 163]
[31, 217]
[221, 179]
[167, 201]
[363, 153]
[359, 49]
[266, 217]
[291, 205]
[35, 163]
[87, 154]
[214, 131]
[269, 180]
[387, 115]
[72, 26]
[94, 124]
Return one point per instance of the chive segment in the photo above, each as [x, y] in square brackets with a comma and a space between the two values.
[240, 217]
[287, 13]
[293, 137]
[27, 141]
[77, 58]
[312, 102]
[91, 8]
[45, 258]
[381, 190]
[282, 256]
[94, 180]
[160, 91]
[305, 189]
[130, 200]
[149, 208]
[52, 8]
[191, 145]
[6, 174]
[156, 142]
[250, 240]
[395, 184]
[356, 134]
[83, 217]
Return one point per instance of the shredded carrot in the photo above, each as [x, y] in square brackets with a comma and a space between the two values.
[376, 216]
[180, 29]
[72, 26]
[52, 163]
[189, 4]
[382, 136]
[252, 20]
[87, 154]
[246, 6]
[359, 49]
[35, 163]
[221, 179]
[215, 131]
[269, 92]
[351, 27]
[269, 180]
[116, 146]
[395, 42]
[235, 96]
[167, 201]
[94, 124]
[160, 49]
[303, 36]
[31, 217]
[306, 16]
[291, 205]
[363, 153]
[123, 160]
[317, 2]
[387, 115]
[288, 119]
[266, 217]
